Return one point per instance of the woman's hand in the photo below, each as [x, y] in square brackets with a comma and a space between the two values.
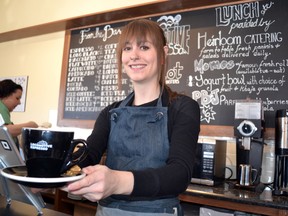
[101, 182]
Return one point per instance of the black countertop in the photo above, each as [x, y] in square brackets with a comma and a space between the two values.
[229, 191]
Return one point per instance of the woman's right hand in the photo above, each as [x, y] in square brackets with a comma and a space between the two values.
[101, 182]
[32, 124]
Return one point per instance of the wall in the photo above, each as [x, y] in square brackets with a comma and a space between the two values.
[40, 57]
[33, 12]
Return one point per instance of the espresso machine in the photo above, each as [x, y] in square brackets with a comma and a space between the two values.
[281, 153]
[248, 130]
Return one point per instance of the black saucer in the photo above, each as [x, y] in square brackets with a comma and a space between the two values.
[18, 174]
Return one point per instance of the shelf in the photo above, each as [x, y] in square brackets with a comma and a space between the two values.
[82, 203]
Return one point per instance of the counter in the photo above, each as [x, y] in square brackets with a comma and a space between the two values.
[229, 196]
[226, 195]
[22, 209]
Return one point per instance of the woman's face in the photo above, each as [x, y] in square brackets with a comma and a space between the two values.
[140, 62]
[13, 100]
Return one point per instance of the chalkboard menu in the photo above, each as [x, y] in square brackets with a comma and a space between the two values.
[217, 56]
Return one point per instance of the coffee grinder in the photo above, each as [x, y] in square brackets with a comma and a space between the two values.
[248, 130]
[281, 153]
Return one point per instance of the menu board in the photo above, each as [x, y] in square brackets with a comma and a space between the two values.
[216, 56]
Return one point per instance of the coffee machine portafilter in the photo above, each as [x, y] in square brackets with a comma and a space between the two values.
[281, 153]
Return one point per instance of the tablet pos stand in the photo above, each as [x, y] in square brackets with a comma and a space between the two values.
[10, 156]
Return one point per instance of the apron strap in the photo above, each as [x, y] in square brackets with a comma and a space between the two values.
[131, 95]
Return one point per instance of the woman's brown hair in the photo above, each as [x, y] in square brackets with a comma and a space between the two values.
[142, 29]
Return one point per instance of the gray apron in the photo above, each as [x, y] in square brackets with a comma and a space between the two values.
[138, 140]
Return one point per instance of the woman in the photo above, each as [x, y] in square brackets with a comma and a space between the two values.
[150, 137]
[10, 95]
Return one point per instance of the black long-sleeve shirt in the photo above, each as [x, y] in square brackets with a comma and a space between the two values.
[183, 131]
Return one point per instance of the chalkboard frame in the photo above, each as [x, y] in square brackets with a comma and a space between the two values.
[206, 130]
[61, 120]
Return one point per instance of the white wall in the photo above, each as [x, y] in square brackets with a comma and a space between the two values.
[40, 57]
[15, 14]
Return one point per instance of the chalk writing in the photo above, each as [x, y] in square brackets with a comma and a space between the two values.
[177, 35]
[217, 56]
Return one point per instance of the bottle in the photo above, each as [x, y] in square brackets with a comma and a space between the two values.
[268, 162]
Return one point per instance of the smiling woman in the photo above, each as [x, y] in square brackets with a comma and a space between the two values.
[147, 135]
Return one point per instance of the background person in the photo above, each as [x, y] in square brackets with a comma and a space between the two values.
[150, 137]
[10, 95]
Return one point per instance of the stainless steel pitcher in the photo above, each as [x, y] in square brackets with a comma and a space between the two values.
[247, 174]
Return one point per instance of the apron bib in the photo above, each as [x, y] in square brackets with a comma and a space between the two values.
[138, 140]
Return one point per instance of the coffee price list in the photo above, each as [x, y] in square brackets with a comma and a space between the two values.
[92, 73]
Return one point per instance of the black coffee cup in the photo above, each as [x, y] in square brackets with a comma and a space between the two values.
[50, 153]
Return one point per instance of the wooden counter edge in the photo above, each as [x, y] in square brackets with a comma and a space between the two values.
[262, 210]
